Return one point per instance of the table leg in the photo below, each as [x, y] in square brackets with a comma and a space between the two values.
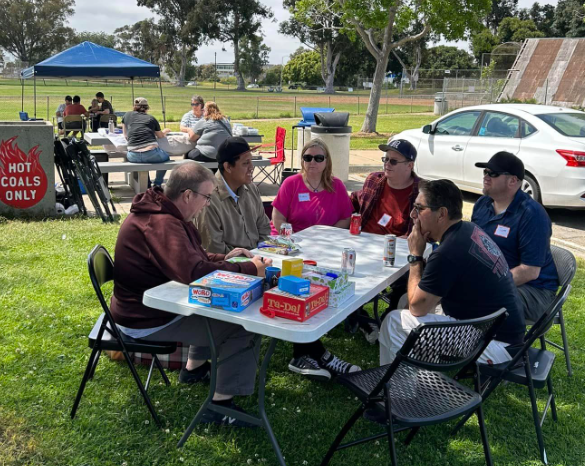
[262, 421]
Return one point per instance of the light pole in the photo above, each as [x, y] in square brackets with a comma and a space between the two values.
[281, 69]
[215, 74]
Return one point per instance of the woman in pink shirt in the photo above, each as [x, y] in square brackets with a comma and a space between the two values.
[314, 197]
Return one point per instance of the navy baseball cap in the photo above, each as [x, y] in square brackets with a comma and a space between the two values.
[402, 146]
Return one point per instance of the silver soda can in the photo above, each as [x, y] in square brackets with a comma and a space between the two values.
[389, 250]
[285, 230]
[348, 257]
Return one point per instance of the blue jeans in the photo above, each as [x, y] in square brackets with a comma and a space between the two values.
[156, 155]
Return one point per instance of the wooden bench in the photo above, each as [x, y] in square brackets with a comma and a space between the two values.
[138, 172]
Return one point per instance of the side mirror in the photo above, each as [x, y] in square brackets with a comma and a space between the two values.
[427, 129]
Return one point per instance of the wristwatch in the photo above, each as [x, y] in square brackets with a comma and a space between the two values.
[412, 259]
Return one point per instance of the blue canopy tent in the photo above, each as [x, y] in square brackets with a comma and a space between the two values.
[89, 60]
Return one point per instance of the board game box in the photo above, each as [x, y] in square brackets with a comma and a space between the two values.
[231, 291]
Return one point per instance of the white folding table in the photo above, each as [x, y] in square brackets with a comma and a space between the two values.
[320, 243]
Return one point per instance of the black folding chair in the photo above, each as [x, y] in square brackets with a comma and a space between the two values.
[106, 336]
[566, 268]
[530, 367]
[414, 391]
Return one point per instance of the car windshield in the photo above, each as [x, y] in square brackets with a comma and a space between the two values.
[568, 124]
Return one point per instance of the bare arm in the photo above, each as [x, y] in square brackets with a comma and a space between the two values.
[524, 274]
[124, 131]
[277, 218]
[163, 133]
[420, 303]
[343, 223]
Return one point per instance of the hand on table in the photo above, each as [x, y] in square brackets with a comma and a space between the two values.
[238, 252]
[166, 131]
[261, 263]
[417, 241]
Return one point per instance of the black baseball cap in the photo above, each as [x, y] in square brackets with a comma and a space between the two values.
[232, 149]
[402, 146]
[504, 162]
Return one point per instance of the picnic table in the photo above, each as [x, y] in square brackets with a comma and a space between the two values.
[323, 244]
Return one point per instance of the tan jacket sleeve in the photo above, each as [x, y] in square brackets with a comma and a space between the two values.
[211, 230]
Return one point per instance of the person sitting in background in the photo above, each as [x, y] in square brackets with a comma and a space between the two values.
[75, 109]
[314, 197]
[94, 106]
[191, 118]
[142, 131]
[158, 242]
[385, 203]
[61, 111]
[104, 108]
[522, 230]
[209, 133]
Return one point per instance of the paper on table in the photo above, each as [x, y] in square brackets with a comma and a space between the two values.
[118, 140]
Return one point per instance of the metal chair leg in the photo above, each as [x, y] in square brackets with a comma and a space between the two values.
[411, 435]
[150, 369]
[565, 343]
[84, 380]
[161, 369]
[484, 437]
[535, 414]
[389, 425]
[348, 425]
[553, 405]
[95, 363]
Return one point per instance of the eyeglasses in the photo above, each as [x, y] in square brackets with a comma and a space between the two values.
[195, 104]
[393, 162]
[206, 196]
[418, 208]
[318, 158]
[493, 174]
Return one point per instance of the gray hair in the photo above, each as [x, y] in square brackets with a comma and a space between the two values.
[198, 100]
[188, 175]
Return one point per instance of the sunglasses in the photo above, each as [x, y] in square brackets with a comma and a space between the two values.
[418, 208]
[493, 174]
[195, 105]
[393, 162]
[318, 158]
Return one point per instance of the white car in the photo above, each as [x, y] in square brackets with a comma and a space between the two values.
[549, 140]
[252, 86]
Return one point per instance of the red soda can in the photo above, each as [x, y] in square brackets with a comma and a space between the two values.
[355, 224]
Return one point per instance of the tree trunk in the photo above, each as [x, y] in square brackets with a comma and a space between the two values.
[183, 68]
[371, 119]
[239, 77]
[328, 69]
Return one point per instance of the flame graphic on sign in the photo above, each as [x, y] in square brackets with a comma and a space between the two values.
[23, 182]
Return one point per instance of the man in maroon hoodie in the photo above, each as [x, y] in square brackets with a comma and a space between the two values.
[157, 243]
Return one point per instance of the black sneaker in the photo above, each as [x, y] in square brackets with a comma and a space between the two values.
[337, 366]
[200, 374]
[306, 365]
[370, 330]
[212, 417]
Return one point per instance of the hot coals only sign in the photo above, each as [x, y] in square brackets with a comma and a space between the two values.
[23, 182]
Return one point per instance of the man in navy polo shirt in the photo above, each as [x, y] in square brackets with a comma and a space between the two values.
[521, 228]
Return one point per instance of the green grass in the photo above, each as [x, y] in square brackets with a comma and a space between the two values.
[255, 103]
[48, 307]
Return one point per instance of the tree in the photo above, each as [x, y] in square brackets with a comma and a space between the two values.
[205, 73]
[383, 27]
[32, 30]
[142, 40]
[483, 42]
[304, 68]
[569, 19]
[500, 10]
[317, 24]
[444, 57]
[516, 30]
[254, 56]
[237, 19]
[272, 77]
[543, 16]
[184, 25]
[100, 38]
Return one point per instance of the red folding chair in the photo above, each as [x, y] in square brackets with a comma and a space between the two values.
[274, 171]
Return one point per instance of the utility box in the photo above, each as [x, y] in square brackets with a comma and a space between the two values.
[333, 130]
[27, 169]
[441, 104]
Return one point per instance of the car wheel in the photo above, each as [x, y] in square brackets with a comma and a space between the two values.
[530, 187]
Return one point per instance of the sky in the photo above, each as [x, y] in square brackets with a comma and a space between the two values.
[113, 14]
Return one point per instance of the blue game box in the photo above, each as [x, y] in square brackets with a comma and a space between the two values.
[231, 291]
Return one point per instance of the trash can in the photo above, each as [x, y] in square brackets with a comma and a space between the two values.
[441, 104]
[303, 128]
[333, 130]
[27, 170]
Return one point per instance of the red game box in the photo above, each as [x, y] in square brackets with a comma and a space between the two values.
[278, 303]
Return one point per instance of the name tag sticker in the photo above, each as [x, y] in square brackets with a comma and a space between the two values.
[502, 231]
[384, 220]
[304, 197]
